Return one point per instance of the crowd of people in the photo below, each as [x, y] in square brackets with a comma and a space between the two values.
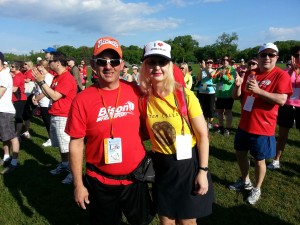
[105, 125]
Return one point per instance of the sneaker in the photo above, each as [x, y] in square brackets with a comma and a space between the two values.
[226, 132]
[274, 165]
[9, 169]
[254, 196]
[26, 134]
[240, 185]
[5, 163]
[68, 179]
[220, 130]
[47, 143]
[59, 169]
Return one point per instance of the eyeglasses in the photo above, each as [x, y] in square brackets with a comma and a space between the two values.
[159, 62]
[264, 55]
[209, 62]
[225, 59]
[297, 55]
[103, 62]
[182, 68]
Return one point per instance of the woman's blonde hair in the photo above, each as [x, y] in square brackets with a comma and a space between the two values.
[29, 64]
[145, 80]
[44, 63]
[186, 68]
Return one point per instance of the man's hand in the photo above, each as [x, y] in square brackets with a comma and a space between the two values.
[81, 196]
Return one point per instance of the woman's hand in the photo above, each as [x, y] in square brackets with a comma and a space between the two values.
[201, 183]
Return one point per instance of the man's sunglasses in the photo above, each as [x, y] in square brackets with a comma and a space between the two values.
[297, 55]
[159, 62]
[103, 62]
[209, 62]
[264, 55]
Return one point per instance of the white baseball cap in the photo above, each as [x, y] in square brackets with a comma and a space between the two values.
[266, 46]
[157, 48]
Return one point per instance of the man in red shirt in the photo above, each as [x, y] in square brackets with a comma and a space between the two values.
[261, 92]
[107, 116]
[61, 93]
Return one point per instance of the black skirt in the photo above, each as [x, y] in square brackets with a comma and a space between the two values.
[173, 191]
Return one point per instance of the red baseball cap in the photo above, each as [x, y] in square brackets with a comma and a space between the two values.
[104, 43]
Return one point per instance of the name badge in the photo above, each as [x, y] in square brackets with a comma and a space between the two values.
[249, 103]
[112, 150]
[220, 86]
[183, 146]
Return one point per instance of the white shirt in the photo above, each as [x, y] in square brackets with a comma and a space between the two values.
[6, 81]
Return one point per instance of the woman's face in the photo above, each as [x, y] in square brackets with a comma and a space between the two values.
[157, 68]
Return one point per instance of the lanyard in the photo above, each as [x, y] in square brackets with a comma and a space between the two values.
[111, 118]
[174, 108]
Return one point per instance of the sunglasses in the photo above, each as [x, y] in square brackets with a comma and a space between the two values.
[209, 62]
[225, 59]
[264, 55]
[297, 55]
[51, 61]
[103, 62]
[159, 62]
[182, 68]
[12, 67]
[252, 64]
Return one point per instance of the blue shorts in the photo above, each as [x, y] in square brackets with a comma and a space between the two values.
[260, 146]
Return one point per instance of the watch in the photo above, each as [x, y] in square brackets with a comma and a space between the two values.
[41, 83]
[203, 168]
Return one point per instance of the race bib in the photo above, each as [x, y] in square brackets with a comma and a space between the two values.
[249, 103]
[112, 150]
[183, 146]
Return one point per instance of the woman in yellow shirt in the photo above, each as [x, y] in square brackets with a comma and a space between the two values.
[183, 189]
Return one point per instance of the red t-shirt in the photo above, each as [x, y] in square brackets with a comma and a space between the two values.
[28, 75]
[262, 119]
[88, 118]
[64, 84]
[18, 81]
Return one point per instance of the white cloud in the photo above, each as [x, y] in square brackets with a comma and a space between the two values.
[101, 16]
[203, 40]
[183, 3]
[283, 33]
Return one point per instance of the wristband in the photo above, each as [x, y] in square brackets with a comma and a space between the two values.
[41, 83]
[203, 168]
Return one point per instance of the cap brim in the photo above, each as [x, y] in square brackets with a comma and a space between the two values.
[163, 56]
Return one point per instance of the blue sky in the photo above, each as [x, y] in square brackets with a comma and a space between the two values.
[35, 24]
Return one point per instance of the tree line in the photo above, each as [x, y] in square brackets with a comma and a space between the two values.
[184, 49]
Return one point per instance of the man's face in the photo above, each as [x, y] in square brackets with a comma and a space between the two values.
[71, 63]
[267, 60]
[48, 56]
[108, 72]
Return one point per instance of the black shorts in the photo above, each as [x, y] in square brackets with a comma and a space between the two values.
[173, 190]
[207, 102]
[7, 126]
[19, 106]
[224, 103]
[107, 202]
[287, 114]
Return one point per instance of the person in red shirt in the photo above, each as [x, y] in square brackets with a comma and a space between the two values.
[19, 98]
[29, 107]
[61, 92]
[262, 92]
[103, 115]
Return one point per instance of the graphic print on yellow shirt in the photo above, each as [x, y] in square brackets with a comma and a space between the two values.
[165, 122]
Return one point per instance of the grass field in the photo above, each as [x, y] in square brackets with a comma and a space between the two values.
[31, 196]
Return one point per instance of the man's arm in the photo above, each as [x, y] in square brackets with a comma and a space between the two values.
[273, 98]
[2, 91]
[76, 75]
[76, 158]
[237, 89]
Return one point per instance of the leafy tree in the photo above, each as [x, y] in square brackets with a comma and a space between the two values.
[226, 44]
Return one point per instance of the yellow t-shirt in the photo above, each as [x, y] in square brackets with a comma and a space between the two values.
[164, 122]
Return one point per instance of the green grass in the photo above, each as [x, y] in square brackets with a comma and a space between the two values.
[32, 196]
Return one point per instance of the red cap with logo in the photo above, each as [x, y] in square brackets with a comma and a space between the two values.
[105, 43]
